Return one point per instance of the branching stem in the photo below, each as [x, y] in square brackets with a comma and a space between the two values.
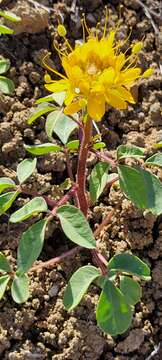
[48, 200]
[102, 156]
[64, 199]
[57, 259]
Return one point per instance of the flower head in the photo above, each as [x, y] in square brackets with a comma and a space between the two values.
[96, 72]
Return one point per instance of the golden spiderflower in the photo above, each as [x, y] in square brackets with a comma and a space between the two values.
[96, 73]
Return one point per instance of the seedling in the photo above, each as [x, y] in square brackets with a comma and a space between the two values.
[96, 73]
[10, 16]
[6, 85]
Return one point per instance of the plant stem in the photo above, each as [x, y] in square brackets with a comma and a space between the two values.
[69, 170]
[48, 200]
[57, 259]
[81, 171]
[64, 199]
[104, 157]
[75, 250]
[81, 181]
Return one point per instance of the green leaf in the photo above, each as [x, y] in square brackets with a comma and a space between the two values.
[4, 264]
[20, 288]
[5, 30]
[39, 111]
[3, 284]
[33, 207]
[112, 275]
[25, 169]
[60, 124]
[73, 145]
[6, 183]
[124, 151]
[78, 285]
[44, 99]
[42, 149]
[158, 145]
[113, 314]
[155, 160]
[99, 145]
[57, 97]
[130, 289]
[10, 16]
[130, 264]
[4, 65]
[142, 188]
[6, 200]
[75, 226]
[98, 180]
[30, 245]
[6, 85]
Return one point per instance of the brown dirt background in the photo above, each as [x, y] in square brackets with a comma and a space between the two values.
[41, 328]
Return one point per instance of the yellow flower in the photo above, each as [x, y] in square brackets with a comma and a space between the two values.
[96, 73]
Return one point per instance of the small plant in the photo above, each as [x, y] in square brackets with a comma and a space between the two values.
[10, 16]
[97, 73]
[6, 85]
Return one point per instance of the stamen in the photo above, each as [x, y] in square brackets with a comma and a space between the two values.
[125, 41]
[85, 25]
[68, 44]
[83, 28]
[60, 53]
[97, 28]
[50, 68]
[120, 8]
[106, 21]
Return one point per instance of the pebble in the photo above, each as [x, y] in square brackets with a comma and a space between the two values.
[53, 291]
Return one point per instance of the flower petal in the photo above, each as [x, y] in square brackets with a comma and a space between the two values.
[73, 108]
[125, 94]
[57, 86]
[107, 77]
[130, 75]
[113, 99]
[120, 61]
[96, 106]
[70, 95]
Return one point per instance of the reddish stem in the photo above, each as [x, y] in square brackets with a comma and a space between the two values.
[104, 157]
[69, 170]
[70, 174]
[76, 250]
[81, 171]
[48, 200]
[64, 199]
[57, 259]
[81, 181]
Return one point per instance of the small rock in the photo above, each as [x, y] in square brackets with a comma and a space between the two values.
[33, 20]
[155, 113]
[133, 342]
[53, 291]
[92, 4]
[157, 273]
[34, 77]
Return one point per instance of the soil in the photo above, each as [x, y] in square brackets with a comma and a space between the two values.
[41, 328]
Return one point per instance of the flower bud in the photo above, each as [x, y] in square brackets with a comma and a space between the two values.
[61, 30]
[147, 73]
[137, 47]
